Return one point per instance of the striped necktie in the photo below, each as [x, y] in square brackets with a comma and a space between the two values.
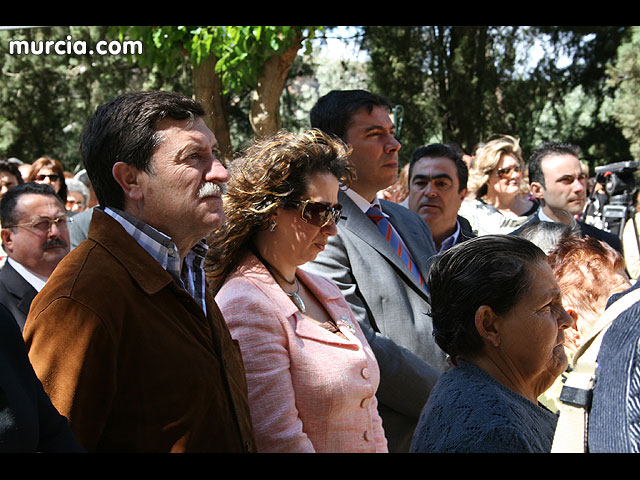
[387, 230]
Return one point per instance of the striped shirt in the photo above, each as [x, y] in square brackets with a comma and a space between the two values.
[190, 275]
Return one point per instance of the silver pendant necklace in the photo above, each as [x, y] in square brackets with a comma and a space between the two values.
[295, 298]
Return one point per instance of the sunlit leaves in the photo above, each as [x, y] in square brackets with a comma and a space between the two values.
[241, 51]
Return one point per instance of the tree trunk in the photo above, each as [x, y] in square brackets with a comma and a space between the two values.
[208, 91]
[265, 104]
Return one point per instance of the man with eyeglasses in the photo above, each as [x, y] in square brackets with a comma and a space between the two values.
[35, 237]
[125, 336]
[559, 184]
[379, 259]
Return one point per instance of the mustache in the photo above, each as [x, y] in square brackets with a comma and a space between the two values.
[54, 242]
[210, 189]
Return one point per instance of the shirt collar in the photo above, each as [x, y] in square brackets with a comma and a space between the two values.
[189, 274]
[451, 240]
[159, 245]
[35, 280]
[543, 216]
[361, 202]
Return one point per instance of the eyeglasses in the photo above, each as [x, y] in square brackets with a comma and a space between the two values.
[506, 172]
[43, 224]
[318, 214]
[53, 177]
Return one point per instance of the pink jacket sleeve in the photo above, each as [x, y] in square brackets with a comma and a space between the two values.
[263, 343]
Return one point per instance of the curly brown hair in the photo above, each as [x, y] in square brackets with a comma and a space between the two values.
[584, 268]
[272, 173]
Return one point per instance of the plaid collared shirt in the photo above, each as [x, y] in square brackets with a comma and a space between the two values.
[190, 275]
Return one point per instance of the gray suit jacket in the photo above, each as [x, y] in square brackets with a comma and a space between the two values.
[79, 228]
[391, 307]
[16, 294]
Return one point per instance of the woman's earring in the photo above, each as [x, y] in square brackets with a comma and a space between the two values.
[273, 225]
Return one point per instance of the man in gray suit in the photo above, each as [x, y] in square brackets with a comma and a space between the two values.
[387, 296]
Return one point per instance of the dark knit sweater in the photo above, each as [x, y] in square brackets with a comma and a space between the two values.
[470, 412]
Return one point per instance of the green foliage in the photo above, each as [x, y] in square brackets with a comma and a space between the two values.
[465, 84]
[624, 73]
[241, 51]
[455, 84]
[45, 100]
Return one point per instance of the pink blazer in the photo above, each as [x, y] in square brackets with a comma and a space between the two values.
[309, 389]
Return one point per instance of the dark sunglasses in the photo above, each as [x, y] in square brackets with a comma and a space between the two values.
[506, 172]
[52, 177]
[318, 214]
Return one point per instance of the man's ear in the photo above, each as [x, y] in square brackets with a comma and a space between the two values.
[487, 325]
[572, 334]
[128, 177]
[573, 314]
[463, 193]
[7, 239]
[537, 190]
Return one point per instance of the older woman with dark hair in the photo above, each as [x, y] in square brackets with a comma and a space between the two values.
[311, 374]
[50, 171]
[506, 342]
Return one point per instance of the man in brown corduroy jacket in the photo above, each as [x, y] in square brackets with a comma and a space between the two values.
[125, 336]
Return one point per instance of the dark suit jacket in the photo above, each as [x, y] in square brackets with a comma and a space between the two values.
[28, 421]
[615, 411]
[466, 231]
[15, 293]
[586, 230]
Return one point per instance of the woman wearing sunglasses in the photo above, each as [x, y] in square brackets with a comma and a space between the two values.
[311, 374]
[49, 170]
[496, 203]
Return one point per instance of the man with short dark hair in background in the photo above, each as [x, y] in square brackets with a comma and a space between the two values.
[557, 181]
[437, 186]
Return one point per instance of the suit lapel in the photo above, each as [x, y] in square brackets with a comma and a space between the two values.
[414, 240]
[22, 290]
[358, 223]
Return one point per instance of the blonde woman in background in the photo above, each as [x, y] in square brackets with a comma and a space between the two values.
[496, 203]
